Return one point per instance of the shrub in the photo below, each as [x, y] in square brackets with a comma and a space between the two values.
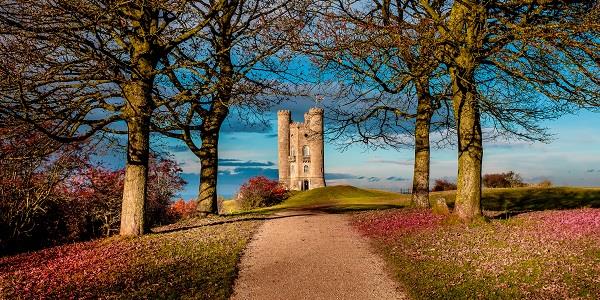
[260, 192]
[52, 194]
[545, 183]
[164, 181]
[503, 180]
[181, 209]
[443, 185]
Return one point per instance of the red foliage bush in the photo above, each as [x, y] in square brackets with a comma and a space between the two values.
[181, 209]
[98, 193]
[443, 185]
[260, 191]
[52, 194]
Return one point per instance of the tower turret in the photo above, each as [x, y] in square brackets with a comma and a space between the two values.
[284, 119]
[316, 142]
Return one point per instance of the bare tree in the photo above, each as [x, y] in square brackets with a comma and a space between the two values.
[77, 67]
[519, 61]
[386, 56]
[508, 64]
[239, 64]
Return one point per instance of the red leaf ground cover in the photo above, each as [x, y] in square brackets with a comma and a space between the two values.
[196, 259]
[394, 223]
[539, 255]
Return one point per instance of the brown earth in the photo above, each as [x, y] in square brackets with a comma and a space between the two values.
[311, 255]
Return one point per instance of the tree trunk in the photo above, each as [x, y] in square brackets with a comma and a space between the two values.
[209, 160]
[466, 26]
[470, 149]
[209, 156]
[211, 125]
[137, 115]
[420, 192]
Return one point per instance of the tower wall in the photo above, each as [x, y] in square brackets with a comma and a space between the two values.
[283, 137]
[296, 142]
[292, 137]
[316, 142]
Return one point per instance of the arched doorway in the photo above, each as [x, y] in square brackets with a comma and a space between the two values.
[305, 185]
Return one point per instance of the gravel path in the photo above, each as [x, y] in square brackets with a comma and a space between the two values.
[311, 256]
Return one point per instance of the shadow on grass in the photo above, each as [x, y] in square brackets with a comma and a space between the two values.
[232, 219]
[344, 208]
[511, 202]
[541, 199]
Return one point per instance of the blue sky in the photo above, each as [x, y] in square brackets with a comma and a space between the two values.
[572, 158]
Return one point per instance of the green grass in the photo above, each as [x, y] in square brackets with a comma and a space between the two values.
[195, 259]
[349, 198]
[345, 197]
[334, 199]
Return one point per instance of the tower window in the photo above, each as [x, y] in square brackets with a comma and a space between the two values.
[292, 169]
[305, 169]
[305, 151]
[293, 152]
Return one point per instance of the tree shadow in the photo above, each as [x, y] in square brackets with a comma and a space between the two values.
[232, 219]
[542, 199]
[506, 203]
[345, 208]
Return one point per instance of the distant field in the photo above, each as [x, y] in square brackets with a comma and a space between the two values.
[344, 198]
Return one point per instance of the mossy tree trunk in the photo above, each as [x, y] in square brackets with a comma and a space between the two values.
[470, 149]
[466, 22]
[211, 125]
[420, 188]
[138, 114]
[209, 161]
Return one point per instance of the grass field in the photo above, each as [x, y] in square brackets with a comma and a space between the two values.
[195, 259]
[334, 198]
[510, 200]
[544, 246]
[531, 198]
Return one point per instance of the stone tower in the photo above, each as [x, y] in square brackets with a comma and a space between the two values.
[301, 150]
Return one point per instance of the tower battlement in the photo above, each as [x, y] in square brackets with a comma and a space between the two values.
[301, 150]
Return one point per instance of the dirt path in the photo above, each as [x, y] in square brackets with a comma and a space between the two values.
[311, 256]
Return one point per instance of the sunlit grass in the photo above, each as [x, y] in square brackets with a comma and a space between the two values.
[347, 198]
[335, 198]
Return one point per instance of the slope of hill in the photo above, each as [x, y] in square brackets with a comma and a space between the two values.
[345, 197]
[348, 198]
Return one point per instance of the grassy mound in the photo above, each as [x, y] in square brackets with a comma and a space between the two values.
[348, 198]
[345, 197]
